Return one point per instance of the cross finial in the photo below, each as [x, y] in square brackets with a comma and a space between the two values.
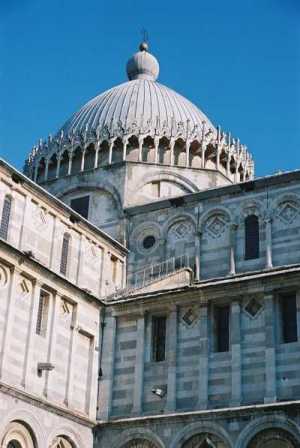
[145, 35]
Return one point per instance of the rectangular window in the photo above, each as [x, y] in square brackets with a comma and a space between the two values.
[42, 315]
[81, 206]
[159, 338]
[5, 218]
[222, 328]
[289, 318]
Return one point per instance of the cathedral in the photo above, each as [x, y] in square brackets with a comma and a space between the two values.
[149, 283]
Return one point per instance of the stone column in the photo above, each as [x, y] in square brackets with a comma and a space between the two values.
[235, 338]
[140, 156]
[139, 367]
[70, 154]
[111, 145]
[46, 170]
[172, 144]
[58, 166]
[125, 143]
[269, 263]
[233, 229]
[156, 148]
[203, 358]
[197, 254]
[270, 350]
[82, 160]
[97, 149]
[187, 147]
[203, 149]
[107, 366]
[171, 359]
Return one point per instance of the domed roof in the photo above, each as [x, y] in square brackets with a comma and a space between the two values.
[138, 106]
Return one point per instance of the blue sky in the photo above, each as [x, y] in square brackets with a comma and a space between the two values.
[239, 61]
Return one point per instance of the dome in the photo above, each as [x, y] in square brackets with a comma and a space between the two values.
[139, 105]
[131, 117]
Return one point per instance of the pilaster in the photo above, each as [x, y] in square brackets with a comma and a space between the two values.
[203, 358]
[107, 367]
[270, 350]
[269, 263]
[171, 358]
[235, 336]
[139, 367]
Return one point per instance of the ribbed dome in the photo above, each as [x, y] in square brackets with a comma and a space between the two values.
[140, 103]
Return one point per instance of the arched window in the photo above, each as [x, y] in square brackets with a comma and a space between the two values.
[6, 211]
[65, 254]
[14, 444]
[251, 237]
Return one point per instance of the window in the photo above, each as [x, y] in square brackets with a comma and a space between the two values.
[158, 338]
[114, 268]
[289, 318]
[251, 237]
[81, 205]
[222, 328]
[42, 316]
[65, 254]
[149, 242]
[6, 210]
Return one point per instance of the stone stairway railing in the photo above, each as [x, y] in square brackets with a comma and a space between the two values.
[140, 279]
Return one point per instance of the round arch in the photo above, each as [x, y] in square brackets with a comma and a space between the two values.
[65, 434]
[133, 435]
[18, 435]
[169, 176]
[92, 186]
[215, 211]
[26, 418]
[265, 423]
[201, 427]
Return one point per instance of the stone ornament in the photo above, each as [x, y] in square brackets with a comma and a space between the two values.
[216, 225]
[24, 288]
[39, 218]
[190, 316]
[182, 230]
[253, 308]
[3, 277]
[287, 212]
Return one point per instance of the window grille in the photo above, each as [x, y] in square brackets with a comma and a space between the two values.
[251, 237]
[222, 328]
[42, 315]
[65, 254]
[159, 338]
[6, 211]
[289, 318]
[81, 205]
